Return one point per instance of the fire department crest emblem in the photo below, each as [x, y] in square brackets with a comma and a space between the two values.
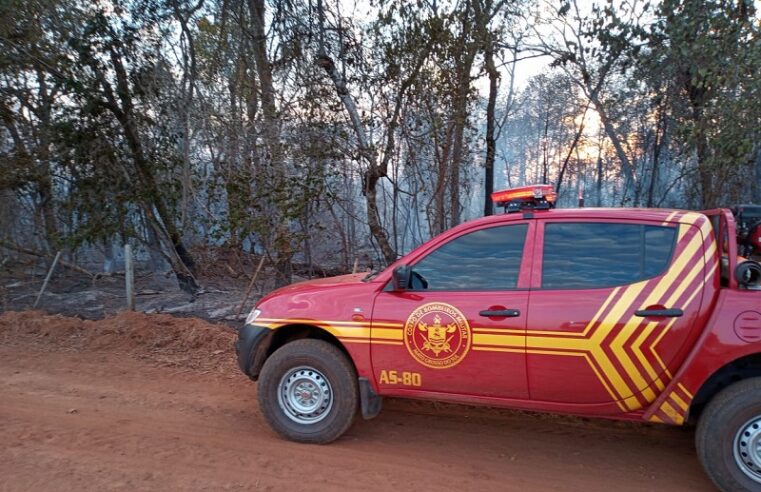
[437, 335]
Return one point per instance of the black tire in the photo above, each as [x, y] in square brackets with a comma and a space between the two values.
[733, 409]
[329, 363]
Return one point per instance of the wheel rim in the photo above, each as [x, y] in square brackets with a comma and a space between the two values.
[747, 448]
[305, 395]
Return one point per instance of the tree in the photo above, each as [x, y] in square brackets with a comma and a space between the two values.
[593, 49]
[706, 57]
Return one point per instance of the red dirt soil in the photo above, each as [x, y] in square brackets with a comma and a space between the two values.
[138, 402]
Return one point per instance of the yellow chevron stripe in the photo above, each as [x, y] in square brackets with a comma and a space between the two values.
[672, 414]
[676, 268]
[604, 329]
[389, 334]
[498, 349]
[655, 296]
[589, 326]
[362, 324]
[618, 383]
[689, 278]
[690, 218]
[385, 342]
[617, 312]
[689, 300]
[682, 404]
[632, 403]
[686, 392]
[556, 352]
[499, 331]
[591, 365]
[636, 348]
[313, 321]
[605, 383]
[706, 227]
[581, 334]
[514, 341]
[668, 219]
[617, 345]
[351, 332]
[655, 418]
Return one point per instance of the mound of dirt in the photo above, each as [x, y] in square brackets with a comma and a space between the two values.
[168, 340]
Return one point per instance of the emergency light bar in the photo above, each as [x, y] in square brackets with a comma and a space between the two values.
[536, 197]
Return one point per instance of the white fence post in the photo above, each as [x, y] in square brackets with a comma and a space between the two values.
[129, 277]
[47, 278]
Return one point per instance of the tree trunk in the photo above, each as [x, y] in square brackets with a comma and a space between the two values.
[187, 94]
[756, 186]
[161, 220]
[282, 239]
[374, 172]
[377, 168]
[598, 185]
[545, 145]
[708, 183]
[656, 157]
[610, 131]
[45, 181]
[462, 91]
[491, 143]
[439, 192]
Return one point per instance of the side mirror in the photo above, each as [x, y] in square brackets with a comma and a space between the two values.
[401, 277]
[748, 274]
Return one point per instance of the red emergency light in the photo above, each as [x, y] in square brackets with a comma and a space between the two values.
[538, 197]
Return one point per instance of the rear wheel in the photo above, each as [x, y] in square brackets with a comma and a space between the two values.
[728, 437]
[308, 391]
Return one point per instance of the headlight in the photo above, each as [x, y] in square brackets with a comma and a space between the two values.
[253, 315]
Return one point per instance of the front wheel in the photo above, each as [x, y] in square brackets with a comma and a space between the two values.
[728, 437]
[308, 391]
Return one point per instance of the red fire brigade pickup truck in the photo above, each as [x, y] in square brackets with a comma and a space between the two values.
[635, 314]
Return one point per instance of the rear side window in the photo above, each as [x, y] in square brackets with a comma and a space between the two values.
[594, 255]
[487, 259]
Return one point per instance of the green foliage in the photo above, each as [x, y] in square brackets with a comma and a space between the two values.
[705, 59]
[119, 114]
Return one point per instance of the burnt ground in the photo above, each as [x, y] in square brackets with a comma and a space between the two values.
[223, 277]
[96, 296]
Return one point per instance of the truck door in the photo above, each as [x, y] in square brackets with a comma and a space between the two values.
[613, 309]
[434, 337]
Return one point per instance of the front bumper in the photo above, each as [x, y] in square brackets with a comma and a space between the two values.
[251, 348]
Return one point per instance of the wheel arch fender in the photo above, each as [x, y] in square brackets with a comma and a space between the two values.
[740, 368]
[273, 339]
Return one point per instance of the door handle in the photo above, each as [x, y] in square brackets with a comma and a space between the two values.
[500, 313]
[664, 313]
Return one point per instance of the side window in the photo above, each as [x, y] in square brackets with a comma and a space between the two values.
[487, 259]
[595, 255]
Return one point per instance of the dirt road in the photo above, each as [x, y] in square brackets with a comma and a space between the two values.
[122, 404]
